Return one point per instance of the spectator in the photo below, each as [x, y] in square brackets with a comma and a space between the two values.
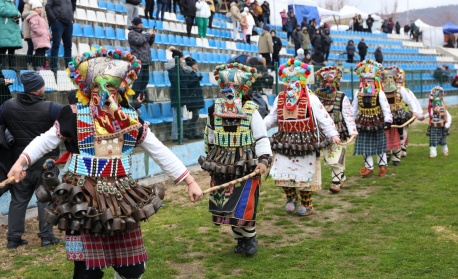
[260, 14]
[289, 28]
[149, 8]
[170, 66]
[293, 18]
[440, 75]
[362, 50]
[202, 14]
[140, 45]
[188, 9]
[254, 12]
[318, 58]
[266, 12]
[300, 54]
[243, 5]
[60, 18]
[217, 5]
[360, 22]
[304, 22]
[350, 49]
[175, 3]
[236, 17]
[355, 23]
[132, 10]
[297, 38]
[305, 39]
[385, 28]
[311, 28]
[26, 31]
[195, 98]
[265, 46]
[447, 74]
[316, 41]
[5, 93]
[284, 18]
[406, 29]
[326, 41]
[161, 6]
[39, 32]
[244, 25]
[413, 27]
[277, 46]
[263, 107]
[211, 4]
[398, 28]
[369, 23]
[449, 43]
[390, 25]
[308, 58]
[455, 81]
[378, 55]
[10, 32]
[251, 23]
[16, 114]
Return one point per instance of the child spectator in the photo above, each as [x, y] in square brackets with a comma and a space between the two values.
[39, 32]
[244, 25]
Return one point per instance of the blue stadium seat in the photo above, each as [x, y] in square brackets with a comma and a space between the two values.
[180, 40]
[167, 79]
[164, 39]
[120, 34]
[161, 55]
[167, 113]
[151, 79]
[102, 4]
[271, 99]
[205, 79]
[158, 79]
[88, 31]
[99, 32]
[110, 33]
[77, 30]
[154, 113]
[154, 57]
[207, 103]
[186, 41]
[172, 39]
[120, 8]
[17, 85]
[120, 48]
[193, 41]
[159, 25]
[111, 6]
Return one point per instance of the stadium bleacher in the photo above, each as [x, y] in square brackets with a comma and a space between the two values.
[104, 23]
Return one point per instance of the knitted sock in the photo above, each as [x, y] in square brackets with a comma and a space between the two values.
[306, 198]
[290, 193]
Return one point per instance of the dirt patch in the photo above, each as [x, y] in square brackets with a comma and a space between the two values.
[446, 233]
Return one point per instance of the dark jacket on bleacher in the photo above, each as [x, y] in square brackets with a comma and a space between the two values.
[188, 7]
[140, 44]
[184, 84]
[61, 10]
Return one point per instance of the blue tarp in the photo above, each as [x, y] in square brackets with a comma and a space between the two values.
[308, 11]
[450, 28]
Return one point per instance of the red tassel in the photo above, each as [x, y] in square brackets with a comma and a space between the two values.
[63, 158]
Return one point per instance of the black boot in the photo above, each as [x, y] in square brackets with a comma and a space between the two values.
[240, 248]
[251, 246]
[15, 243]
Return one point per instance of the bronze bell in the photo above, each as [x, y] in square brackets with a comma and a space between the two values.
[106, 216]
[157, 203]
[75, 225]
[159, 191]
[64, 208]
[116, 225]
[138, 215]
[231, 170]
[218, 170]
[201, 160]
[62, 224]
[130, 223]
[213, 166]
[96, 227]
[42, 194]
[206, 165]
[148, 210]
[79, 210]
[223, 169]
[63, 189]
[87, 223]
[75, 194]
[50, 216]
[50, 179]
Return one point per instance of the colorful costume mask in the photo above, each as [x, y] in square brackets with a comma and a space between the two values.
[234, 80]
[391, 76]
[104, 79]
[369, 73]
[436, 100]
[294, 74]
[329, 78]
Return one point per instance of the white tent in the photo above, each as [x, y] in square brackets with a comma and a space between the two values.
[348, 12]
[433, 36]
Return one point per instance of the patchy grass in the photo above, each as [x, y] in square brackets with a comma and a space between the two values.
[401, 226]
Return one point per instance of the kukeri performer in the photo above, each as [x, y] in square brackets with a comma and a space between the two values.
[236, 144]
[439, 122]
[373, 115]
[339, 108]
[99, 204]
[416, 108]
[304, 128]
[399, 99]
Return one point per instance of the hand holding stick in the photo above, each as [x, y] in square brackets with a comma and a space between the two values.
[6, 182]
[233, 182]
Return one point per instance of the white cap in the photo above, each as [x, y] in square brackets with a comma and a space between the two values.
[36, 4]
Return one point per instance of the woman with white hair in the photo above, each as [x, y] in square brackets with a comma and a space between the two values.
[251, 24]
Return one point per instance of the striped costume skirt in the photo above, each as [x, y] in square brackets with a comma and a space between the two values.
[121, 249]
[370, 143]
[393, 139]
[437, 136]
[235, 205]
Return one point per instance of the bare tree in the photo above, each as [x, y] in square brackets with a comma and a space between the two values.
[334, 5]
[385, 10]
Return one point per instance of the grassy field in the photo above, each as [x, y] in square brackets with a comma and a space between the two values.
[404, 225]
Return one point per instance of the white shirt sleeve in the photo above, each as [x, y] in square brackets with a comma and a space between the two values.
[388, 117]
[325, 123]
[347, 113]
[270, 120]
[449, 121]
[260, 135]
[41, 145]
[355, 104]
[409, 100]
[417, 104]
[162, 155]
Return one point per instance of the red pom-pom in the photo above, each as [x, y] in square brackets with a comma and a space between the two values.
[252, 70]
[216, 77]
[307, 72]
[230, 65]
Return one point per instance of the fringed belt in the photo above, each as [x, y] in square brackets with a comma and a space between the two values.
[293, 126]
[100, 167]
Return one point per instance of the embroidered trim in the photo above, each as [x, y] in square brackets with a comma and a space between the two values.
[181, 177]
[58, 134]
[145, 132]
[27, 157]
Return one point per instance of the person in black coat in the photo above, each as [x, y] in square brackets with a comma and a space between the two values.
[398, 28]
[350, 51]
[362, 50]
[378, 55]
[316, 41]
[369, 22]
[188, 9]
[326, 40]
[196, 99]
[277, 47]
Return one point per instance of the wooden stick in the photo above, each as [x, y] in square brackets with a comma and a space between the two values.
[6, 182]
[233, 182]
[405, 124]
[349, 140]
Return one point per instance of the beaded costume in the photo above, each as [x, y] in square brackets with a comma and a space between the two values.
[372, 113]
[235, 142]
[304, 128]
[439, 122]
[339, 108]
[99, 204]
